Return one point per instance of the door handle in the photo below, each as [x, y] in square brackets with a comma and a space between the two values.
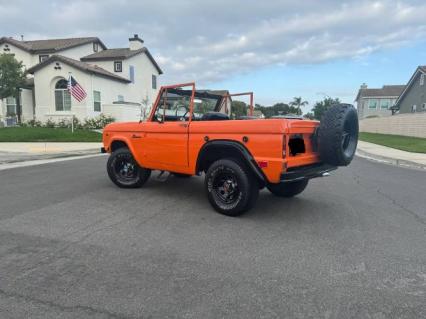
[136, 136]
[183, 125]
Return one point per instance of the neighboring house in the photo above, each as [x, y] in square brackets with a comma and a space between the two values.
[413, 98]
[377, 102]
[116, 80]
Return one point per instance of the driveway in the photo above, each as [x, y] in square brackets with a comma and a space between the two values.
[72, 245]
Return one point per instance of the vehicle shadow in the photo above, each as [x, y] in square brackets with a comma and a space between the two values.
[268, 207]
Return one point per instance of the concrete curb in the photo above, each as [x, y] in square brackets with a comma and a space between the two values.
[49, 156]
[28, 163]
[389, 160]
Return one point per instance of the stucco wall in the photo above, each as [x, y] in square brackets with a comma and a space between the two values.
[142, 86]
[123, 112]
[401, 124]
[19, 54]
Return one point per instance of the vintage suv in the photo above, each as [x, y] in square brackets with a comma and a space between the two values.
[190, 132]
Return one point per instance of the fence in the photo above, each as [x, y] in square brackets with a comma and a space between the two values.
[401, 124]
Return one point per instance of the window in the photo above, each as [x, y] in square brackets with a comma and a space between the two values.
[132, 73]
[372, 104]
[174, 105]
[62, 96]
[96, 101]
[43, 57]
[118, 66]
[10, 106]
[154, 82]
[95, 47]
[422, 79]
[120, 98]
[385, 104]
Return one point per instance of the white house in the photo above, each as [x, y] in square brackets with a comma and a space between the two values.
[117, 81]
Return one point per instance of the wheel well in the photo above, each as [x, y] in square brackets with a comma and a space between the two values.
[211, 153]
[118, 144]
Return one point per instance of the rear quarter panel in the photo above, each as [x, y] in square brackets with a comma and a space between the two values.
[265, 140]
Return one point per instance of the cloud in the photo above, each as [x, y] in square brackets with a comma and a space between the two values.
[213, 40]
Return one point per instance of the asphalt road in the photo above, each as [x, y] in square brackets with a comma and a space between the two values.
[72, 245]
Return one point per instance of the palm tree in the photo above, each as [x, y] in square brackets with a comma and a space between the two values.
[298, 103]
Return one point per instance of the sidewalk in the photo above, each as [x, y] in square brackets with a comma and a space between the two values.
[19, 152]
[391, 155]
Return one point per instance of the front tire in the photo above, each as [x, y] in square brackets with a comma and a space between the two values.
[231, 188]
[288, 189]
[124, 171]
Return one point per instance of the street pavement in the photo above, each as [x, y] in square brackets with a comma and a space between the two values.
[72, 245]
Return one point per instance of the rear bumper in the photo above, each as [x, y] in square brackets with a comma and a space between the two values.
[306, 172]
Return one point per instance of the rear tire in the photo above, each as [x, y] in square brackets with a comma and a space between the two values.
[124, 171]
[288, 189]
[231, 188]
[338, 135]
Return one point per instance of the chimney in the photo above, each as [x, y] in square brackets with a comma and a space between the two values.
[363, 86]
[135, 43]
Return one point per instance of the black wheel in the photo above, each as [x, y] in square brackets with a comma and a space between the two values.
[124, 171]
[289, 189]
[180, 175]
[231, 188]
[338, 135]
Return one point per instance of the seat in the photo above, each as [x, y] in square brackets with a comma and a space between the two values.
[214, 116]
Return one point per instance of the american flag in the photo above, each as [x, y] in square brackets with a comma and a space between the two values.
[76, 90]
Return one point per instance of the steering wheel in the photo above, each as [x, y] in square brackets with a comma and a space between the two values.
[182, 118]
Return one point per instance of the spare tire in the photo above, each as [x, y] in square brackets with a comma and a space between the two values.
[338, 135]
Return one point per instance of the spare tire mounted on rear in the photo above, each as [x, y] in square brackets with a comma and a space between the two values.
[338, 135]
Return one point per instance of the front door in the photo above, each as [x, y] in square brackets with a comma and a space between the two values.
[166, 133]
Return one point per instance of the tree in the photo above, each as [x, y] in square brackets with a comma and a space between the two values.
[309, 116]
[298, 103]
[322, 106]
[277, 109]
[238, 108]
[12, 78]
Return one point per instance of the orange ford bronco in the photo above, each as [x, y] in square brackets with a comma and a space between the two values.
[190, 132]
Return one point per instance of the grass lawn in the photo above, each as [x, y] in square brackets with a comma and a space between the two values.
[43, 134]
[405, 143]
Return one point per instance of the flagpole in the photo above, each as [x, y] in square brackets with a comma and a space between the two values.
[72, 115]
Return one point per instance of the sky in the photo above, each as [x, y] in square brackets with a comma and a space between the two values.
[277, 49]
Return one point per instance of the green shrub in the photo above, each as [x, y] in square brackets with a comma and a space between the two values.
[49, 124]
[98, 122]
[33, 123]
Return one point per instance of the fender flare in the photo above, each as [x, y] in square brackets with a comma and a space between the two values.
[236, 146]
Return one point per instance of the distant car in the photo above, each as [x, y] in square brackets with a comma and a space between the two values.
[189, 133]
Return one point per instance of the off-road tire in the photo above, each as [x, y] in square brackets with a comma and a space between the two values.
[288, 189]
[115, 168]
[243, 196]
[338, 135]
